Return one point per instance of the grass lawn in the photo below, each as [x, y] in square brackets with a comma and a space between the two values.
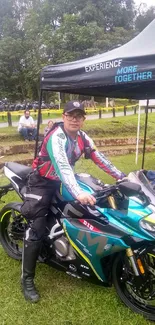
[65, 300]
[106, 127]
[120, 126]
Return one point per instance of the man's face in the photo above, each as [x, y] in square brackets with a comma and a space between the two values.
[73, 121]
[27, 114]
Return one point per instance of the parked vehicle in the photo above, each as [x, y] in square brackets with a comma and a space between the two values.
[2, 106]
[53, 106]
[11, 107]
[35, 105]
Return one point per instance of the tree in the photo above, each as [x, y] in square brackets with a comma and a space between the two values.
[35, 33]
[144, 18]
[11, 68]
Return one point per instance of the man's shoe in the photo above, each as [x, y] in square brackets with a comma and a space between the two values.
[30, 254]
[29, 290]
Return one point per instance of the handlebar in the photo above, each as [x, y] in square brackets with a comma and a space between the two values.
[107, 191]
[128, 189]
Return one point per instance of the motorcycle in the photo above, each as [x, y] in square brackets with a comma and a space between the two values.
[111, 243]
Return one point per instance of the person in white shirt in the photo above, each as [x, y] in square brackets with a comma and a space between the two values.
[26, 127]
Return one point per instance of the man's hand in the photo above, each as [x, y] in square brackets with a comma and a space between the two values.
[85, 198]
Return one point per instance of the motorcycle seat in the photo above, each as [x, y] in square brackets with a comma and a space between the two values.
[19, 169]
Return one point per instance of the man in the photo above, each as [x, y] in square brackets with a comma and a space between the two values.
[61, 148]
[26, 127]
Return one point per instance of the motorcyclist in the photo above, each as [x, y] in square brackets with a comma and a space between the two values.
[61, 148]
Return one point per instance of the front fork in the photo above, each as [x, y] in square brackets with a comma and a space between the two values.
[136, 264]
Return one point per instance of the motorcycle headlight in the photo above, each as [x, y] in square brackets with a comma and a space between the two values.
[148, 223]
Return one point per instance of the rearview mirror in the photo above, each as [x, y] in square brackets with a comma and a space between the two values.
[129, 189]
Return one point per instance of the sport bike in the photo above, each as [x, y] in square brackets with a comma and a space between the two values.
[112, 243]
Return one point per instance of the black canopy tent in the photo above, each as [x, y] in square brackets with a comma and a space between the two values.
[125, 72]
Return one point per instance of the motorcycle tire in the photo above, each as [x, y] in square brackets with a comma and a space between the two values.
[12, 228]
[125, 294]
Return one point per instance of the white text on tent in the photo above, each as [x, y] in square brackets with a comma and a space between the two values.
[104, 65]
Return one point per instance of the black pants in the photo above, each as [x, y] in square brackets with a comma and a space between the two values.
[39, 193]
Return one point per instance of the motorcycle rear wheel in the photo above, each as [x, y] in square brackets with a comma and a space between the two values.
[132, 298]
[12, 229]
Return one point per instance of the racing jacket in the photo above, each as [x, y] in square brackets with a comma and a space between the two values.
[58, 154]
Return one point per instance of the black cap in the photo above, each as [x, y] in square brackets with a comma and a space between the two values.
[74, 105]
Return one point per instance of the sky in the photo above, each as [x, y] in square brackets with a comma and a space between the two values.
[148, 2]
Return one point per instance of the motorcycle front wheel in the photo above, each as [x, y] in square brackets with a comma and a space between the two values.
[12, 229]
[137, 294]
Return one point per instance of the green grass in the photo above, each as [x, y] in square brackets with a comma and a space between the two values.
[124, 163]
[120, 126]
[106, 127]
[65, 300]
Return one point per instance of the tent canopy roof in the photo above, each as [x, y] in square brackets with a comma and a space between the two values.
[125, 72]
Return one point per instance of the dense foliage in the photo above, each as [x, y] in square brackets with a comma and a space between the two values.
[34, 33]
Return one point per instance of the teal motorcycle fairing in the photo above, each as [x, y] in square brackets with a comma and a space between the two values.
[93, 244]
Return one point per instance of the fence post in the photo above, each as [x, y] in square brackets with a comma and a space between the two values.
[41, 118]
[113, 111]
[100, 113]
[147, 108]
[124, 110]
[9, 119]
[135, 109]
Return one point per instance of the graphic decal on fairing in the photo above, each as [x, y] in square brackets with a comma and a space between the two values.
[91, 240]
[88, 225]
[100, 277]
[92, 246]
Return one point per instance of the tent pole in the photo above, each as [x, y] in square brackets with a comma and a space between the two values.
[59, 98]
[138, 131]
[145, 132]
[38, 123]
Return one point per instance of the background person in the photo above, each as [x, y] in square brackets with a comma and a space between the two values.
[48, 127]
[26, 126]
